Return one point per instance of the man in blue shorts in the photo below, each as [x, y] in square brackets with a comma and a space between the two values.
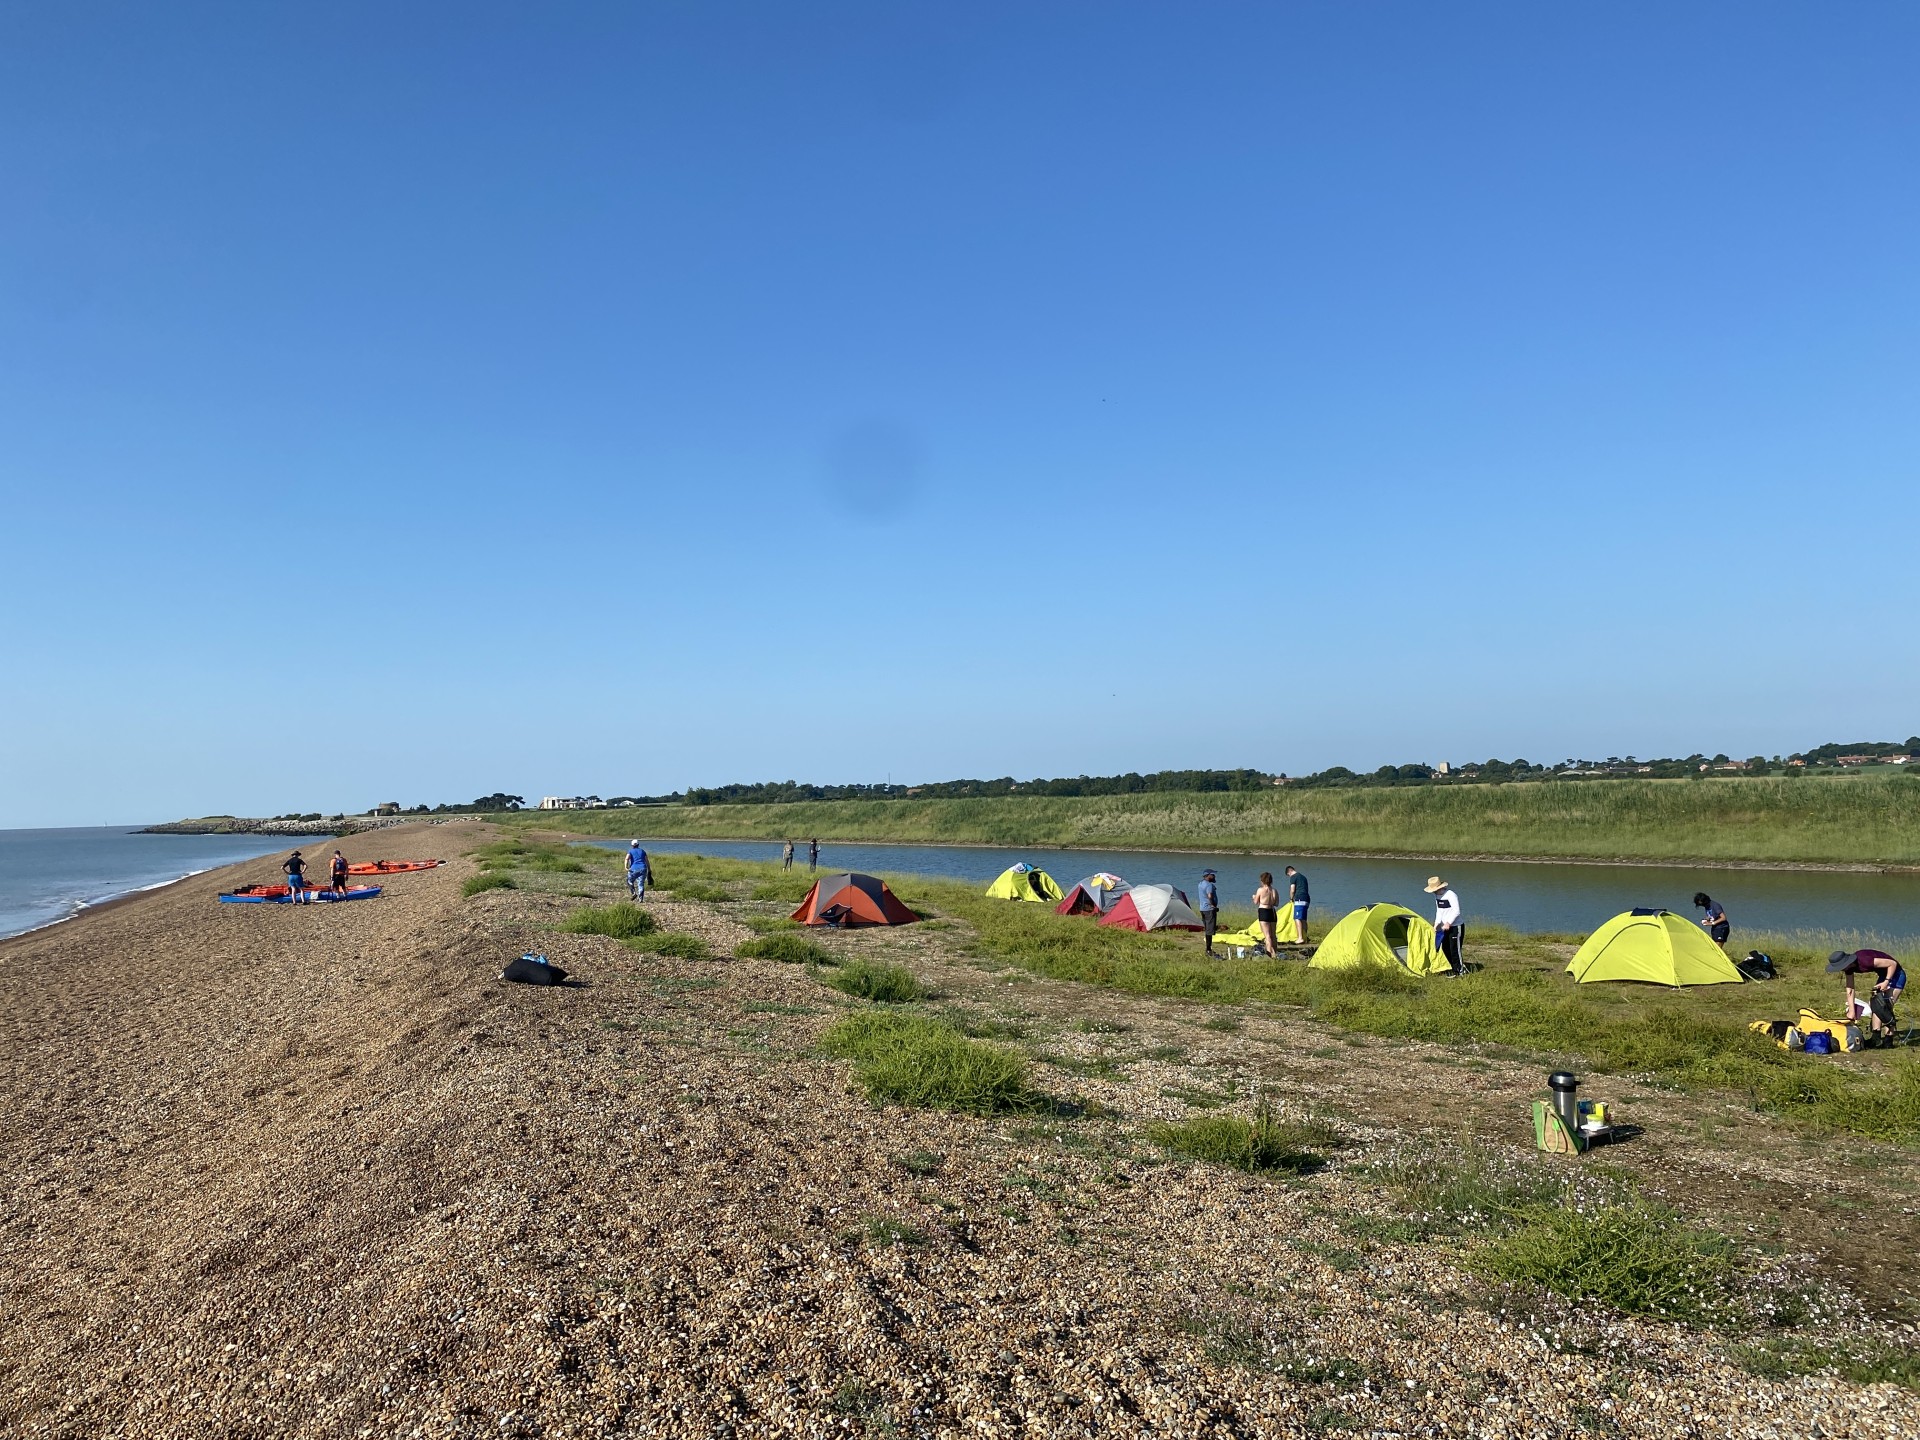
[1297, 893]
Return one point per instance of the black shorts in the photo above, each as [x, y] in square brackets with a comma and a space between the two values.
[1720, 933]
[1267, 915]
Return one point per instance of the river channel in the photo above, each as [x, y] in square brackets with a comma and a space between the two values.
[1852, 907]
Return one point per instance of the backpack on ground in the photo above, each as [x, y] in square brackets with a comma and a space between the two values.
[1757, 966]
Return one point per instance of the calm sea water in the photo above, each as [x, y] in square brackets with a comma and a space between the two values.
[49, 875]
[1555, 897]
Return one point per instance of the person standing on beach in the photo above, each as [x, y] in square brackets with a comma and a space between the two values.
[296, 871]
[1266, 910]
[1298, 897]
[1715, 921]
[638, 871]
[813, 854]
[339, 868]
[1209, 909]
[1448, 929]
[786, 857]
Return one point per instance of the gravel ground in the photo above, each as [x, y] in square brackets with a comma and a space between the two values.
[272, 1171]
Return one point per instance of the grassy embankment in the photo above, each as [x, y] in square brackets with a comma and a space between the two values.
[1521, 1000]
[1870, 820]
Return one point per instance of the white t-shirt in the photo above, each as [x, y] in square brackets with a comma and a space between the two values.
[1446, 908]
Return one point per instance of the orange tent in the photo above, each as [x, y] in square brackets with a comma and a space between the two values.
[849, 900]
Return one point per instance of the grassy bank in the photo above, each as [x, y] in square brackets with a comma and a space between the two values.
[1520, 998]
[1847, 820]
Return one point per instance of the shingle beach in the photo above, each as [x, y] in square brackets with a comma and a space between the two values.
[277, 1171]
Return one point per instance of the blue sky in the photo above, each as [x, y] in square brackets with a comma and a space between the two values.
[412, 402]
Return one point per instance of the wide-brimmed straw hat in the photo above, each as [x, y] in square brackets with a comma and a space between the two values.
[1434, 882]
[1839, 960]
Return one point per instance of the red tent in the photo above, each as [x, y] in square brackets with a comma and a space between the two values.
[1152, 907]
[851, 900]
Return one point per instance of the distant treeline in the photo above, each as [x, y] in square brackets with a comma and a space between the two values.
[1338, 777]
[779, 792]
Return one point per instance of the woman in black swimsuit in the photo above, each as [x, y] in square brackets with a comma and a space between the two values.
[1266, 909]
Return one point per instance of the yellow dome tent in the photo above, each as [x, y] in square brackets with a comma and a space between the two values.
[1025, 882]
[1381, 934]
[1657, 947]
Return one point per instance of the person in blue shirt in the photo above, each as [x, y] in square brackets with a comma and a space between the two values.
[1209, 908]
[1297, 894]
[638, 871]
[1716, 924]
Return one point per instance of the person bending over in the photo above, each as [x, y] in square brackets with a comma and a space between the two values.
[1888, 979]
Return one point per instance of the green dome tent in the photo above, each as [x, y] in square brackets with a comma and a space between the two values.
[1657, 947]
[1381, 935]
[1025, 882]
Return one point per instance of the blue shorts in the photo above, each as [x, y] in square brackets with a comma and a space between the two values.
[1300, 909]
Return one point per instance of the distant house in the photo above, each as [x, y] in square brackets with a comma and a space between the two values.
[1895, 759]
[392, 807]
[1855, 759]
[1443, 768]
[572, 802]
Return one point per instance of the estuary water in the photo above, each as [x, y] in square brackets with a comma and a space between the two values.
[52, 875]
[1858, 907]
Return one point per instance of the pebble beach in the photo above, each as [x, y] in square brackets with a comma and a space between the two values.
[276, 1171]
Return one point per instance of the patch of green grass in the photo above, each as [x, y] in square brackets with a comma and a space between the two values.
[883, 1232]
[770, 924]
[1638, 1257]
[1096, 1067]
[697, 890]
[921, 1164]
[672, 944]
[475, 884]
[1467, 1188]
[886, 984]
[911, 1060]
[1263, 1143]
[788, 949]
[622, 921]
[1860, 1359]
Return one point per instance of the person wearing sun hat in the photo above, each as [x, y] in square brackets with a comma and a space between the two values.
[1448, 931]
[1890, 979]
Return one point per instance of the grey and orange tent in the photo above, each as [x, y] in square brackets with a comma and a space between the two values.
[849, 900]
[1094, 895]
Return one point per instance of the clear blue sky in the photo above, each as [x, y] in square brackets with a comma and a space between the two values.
[408, 402]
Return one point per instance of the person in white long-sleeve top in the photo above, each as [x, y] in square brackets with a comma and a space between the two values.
[1448, 923]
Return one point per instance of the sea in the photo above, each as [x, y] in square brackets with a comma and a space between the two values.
[47, 876]
[1845, 907]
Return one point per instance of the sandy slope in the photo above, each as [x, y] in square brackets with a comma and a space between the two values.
[275, 1171]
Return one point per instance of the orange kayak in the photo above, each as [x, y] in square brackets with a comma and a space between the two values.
[391, 867]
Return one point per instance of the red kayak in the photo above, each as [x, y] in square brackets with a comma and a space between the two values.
[392, 867]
